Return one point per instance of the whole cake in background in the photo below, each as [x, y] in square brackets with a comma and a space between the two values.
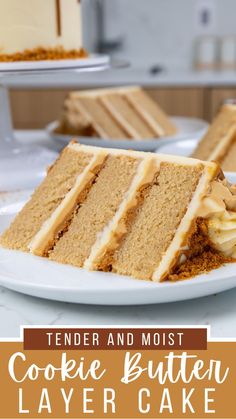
[145, 215]
[40, 29]
[219, 143]
[117, 113]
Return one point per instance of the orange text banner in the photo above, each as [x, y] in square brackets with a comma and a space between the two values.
[128, 382]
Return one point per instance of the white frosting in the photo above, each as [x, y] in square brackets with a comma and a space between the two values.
[28, 24]
[160, 158]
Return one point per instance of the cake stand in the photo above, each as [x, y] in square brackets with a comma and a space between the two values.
[22, 166]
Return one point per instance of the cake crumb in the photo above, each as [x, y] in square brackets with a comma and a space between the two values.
[202, 263]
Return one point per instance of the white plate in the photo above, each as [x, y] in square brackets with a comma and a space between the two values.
[179, 148]
[80, 63]
[40, 277]
[187, 128]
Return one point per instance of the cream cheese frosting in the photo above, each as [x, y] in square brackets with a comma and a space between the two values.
[219, 208]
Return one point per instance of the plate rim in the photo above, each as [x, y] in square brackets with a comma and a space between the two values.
[184, 283]
[93, 60]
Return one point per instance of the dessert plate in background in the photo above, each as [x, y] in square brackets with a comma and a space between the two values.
[179, 148]
[187, 128]
[40, 277]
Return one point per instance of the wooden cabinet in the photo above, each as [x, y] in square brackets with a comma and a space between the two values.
[36, 108]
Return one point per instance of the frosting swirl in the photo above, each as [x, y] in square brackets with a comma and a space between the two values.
[219, 207]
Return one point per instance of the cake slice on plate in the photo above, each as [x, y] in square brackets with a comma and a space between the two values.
[219, 143]
[145, 215]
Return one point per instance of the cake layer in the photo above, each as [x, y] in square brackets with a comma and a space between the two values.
[47, 197]
[126, 116]
[29, 24]
[150, 112]
[45, 239]
[102, 202]
[104, 125]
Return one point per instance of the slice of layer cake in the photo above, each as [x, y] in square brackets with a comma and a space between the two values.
[145, 215]
[219, 143]
[118, 113]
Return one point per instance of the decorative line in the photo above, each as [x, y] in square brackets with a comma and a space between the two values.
[58, 17]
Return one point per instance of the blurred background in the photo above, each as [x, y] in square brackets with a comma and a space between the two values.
[182, 51]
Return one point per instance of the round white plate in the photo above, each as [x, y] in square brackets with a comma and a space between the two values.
[40, 277]
[94, 60]
[187, 128]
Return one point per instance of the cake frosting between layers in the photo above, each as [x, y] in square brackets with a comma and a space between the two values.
[128, 212]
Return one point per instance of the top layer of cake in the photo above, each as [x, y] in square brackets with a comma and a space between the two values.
[114, 113]
[127, 212]
[29, 24]
[219, 143]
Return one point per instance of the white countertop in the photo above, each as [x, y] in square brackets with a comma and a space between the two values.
[219, 311]
[124, 76]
